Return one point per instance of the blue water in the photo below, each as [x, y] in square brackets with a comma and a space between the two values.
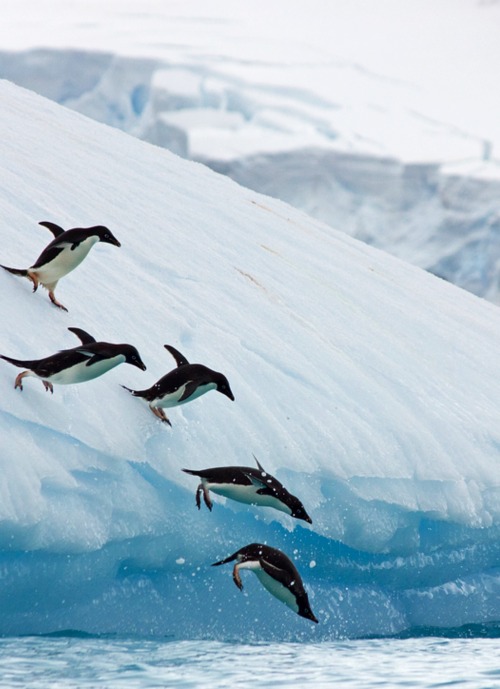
[88, 663]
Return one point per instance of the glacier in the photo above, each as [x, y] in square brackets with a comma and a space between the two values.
[367, 386]
[379, 119]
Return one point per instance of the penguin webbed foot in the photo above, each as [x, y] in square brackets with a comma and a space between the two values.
[206, 498]
[198, 496]
[158, 411]
[55, 302]
[48, 386]
[19, 381]
[34, 280]
[237, 578]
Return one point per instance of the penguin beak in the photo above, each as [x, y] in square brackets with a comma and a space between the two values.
[228, 393]
[309, 615]
[140, 364]
[108, 238]
[302, 514]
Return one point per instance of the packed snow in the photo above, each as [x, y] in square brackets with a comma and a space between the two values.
[379, 118]
[368, 387]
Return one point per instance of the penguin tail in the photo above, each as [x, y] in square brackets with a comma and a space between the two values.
[17, 362]
[225, 561]
[191, 471]
[16, 271]
[135, 393]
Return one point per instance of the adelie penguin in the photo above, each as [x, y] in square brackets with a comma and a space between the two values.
[64, 253]
[276, 572]
[248, 485]
[79, 364]
[183, 384]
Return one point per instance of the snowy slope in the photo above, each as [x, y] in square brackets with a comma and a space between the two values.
[369, 387]
[378, 118]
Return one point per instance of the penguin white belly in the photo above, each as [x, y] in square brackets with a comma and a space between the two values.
[247, 495]
[66, 261]
[80, 373]
[172, 399]
[277, 590]
[274, 587]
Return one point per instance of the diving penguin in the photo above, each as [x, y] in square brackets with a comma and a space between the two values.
[248, 485]
[79, 364]
[276, 573]
[64, 253]
[183, 384]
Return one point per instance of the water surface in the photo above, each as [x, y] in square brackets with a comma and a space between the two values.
[71, 662]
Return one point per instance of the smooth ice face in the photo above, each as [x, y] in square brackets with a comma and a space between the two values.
[368, 387]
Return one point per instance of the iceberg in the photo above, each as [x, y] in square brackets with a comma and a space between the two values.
[394, 150]
[367, 386]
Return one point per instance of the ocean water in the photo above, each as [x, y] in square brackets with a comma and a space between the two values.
[70, 662]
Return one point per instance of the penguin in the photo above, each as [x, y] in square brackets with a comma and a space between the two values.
[64, 253]
[276, 573]
[79, 364]
[248, 485]
[183, 384]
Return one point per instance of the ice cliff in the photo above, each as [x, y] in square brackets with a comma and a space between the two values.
[367, 386]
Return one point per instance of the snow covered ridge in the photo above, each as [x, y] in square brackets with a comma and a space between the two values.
[368, 387]
[381, 165]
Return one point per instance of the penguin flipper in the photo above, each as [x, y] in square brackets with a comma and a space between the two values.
[47, 255]
[189, 390]
[94, 358]
[263, 488]
[180, 359]
[259, 465]
[83, 336]
[55, 229]
[282, 575]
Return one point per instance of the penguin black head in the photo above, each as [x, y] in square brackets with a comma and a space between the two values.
[132, 356]
[297, 509]
[223, 385]
[104, 235]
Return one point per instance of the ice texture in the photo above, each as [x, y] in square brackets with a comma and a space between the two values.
[367, 386]
[378, 118]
